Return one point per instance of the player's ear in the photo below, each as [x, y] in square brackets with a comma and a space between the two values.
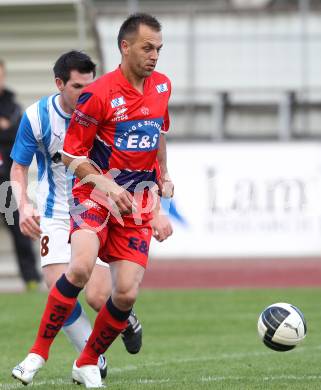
[124, 45]
[60, 84]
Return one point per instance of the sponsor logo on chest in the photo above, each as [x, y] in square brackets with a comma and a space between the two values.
[144, 110]
[120, 111]
[120, 114]
[57, 141]
[117, 102]
[138, 135]
[162, 88]
[59, 134]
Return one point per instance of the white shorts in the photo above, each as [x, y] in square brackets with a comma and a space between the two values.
[54, 245]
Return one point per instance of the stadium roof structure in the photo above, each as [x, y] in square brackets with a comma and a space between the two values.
[37, 2]
[219, 6]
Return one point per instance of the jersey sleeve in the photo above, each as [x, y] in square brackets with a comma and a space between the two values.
[83, 126]
[25, 144]
[166, 122]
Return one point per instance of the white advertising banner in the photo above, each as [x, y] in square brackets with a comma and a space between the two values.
[253, 199]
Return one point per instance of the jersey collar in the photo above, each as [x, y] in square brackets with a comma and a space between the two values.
[58, 109]
[126, 83]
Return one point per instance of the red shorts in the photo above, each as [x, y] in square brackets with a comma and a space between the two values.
[121, 239]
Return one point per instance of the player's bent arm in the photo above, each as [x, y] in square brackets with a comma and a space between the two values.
[87, 173]
[19, 182]
[166, 184]
[29, 219]
[160, 223]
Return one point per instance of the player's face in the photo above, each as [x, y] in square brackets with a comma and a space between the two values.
[143, 51]
[71, 91]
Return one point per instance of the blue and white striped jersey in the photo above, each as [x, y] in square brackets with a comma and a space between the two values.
[42, 132]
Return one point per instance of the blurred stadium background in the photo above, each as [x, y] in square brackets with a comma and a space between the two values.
[244, 145]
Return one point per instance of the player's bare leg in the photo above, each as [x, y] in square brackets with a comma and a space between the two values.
[132, 335]
[85, 245]
[84, 252]
[77, 327]
[97, 290]
[62, 299]
[126, 277]
[113, 316]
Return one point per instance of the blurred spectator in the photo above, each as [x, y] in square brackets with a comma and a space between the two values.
[10, 114]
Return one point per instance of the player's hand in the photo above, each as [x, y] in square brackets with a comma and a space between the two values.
[166, 187]
[161, 227]
[123, 200]
[29, 221]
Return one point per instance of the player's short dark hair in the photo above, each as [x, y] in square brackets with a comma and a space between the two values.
[73, 60]
[132, 23]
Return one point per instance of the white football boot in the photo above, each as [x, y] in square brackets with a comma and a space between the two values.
[28, 368]
[88, 375]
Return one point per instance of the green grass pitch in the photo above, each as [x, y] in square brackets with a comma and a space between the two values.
[193, 339]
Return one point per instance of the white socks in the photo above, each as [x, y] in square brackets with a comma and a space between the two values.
[78, 328]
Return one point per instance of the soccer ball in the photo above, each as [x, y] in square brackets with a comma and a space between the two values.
[281, 326]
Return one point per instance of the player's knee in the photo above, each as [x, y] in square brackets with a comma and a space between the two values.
[95, 299]
[78, 273]
[125, 299]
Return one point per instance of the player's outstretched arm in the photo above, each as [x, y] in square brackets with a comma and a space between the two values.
[29, 219]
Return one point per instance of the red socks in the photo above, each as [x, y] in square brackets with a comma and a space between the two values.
[105, 331]
[62, 298]
[57, 310]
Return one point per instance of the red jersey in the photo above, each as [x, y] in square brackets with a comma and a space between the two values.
[118, 127]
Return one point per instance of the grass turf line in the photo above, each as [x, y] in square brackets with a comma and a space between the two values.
[193, 339]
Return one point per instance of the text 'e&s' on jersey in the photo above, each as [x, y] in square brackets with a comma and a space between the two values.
[118, 127]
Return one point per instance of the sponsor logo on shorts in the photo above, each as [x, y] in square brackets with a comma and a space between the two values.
[91, 204]
[79, 220]
[138, 245]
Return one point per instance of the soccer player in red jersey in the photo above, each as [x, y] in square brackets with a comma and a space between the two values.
[114, 138]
